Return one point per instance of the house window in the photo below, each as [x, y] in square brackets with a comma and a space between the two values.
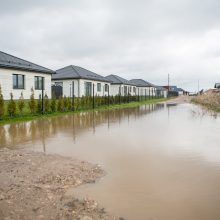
[99, 87]
[88, 88]
[106, 87]
[134, 90]
[125, 90]
[130, 88]
[18, 81]
[39, 82]
[59, 84]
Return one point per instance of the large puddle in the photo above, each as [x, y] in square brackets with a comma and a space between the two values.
[162, 161]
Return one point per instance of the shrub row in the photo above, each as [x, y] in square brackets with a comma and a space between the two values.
[62, 104]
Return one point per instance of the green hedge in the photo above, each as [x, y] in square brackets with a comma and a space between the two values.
[21, 107]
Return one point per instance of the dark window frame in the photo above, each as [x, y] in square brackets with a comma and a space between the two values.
[106, 87]
[38, 86]
[99, 87]
[17, 86]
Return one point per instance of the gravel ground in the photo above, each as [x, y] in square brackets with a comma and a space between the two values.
[33, 186]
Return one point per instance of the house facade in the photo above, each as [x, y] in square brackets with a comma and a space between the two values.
[80, 82]
[144, 88]
[161, 91]
[121, 86]
[20, 76]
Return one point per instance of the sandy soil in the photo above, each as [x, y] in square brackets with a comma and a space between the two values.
[180, 99]
[33, 186]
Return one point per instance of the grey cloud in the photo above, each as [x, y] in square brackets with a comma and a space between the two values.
[144, 38]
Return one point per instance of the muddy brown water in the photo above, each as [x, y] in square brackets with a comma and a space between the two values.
[162, 161]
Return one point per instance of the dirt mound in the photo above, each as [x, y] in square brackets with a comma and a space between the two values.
[33, 186]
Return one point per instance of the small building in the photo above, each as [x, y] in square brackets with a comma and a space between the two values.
[144, 88]
[82, 80]
[18, 75]
[121, 86]
[172, 90]
[217, 86]
[161, 91]
[181, 91]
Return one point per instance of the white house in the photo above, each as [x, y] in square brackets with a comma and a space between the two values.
[161, 91]
[121, 86]
[82, 80]
[144, 88]
[18, 75]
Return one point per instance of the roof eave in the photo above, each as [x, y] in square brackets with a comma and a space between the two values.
[26, 69]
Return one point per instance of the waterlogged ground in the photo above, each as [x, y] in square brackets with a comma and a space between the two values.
[162, 161]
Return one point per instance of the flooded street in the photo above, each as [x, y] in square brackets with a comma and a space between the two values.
[162, 161]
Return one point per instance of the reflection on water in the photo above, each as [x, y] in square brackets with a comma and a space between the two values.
[162, 161]
[13, 135]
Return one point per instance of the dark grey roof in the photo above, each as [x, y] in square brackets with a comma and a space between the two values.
[180, 90]
[76, 72]
[161, 88]
[141, 83]
[118, 80]
[9, 61]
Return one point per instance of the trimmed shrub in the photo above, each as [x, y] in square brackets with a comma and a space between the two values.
[32, 103]
[65, 103]
[60, 104]
[69, 104]
[11, 106]
[39, 104]
[2, 107]
[46, 104]
[21, 103]
[53, 105]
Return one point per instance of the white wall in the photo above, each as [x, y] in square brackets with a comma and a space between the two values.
[115, 89]
[6, 82]
[79, 87]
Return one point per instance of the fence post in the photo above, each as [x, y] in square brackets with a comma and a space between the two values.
[120, 95]
[108, 96]
[138, 95]
[42, 93]
[72, 95]
[93, 95]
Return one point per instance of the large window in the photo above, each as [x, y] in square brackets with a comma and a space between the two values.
[39, 82]
[99, 88]
[134, 90]
[18, 81]
[106, 87]
[125, 90]
[88, 88]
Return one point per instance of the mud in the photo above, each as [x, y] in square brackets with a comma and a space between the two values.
[33, 186]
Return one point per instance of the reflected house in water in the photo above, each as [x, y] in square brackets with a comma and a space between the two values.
[18, 75]
[39, 130]
[121, 86]
[82, 80]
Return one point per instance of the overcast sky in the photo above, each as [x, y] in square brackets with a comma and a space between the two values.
[132, 38]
